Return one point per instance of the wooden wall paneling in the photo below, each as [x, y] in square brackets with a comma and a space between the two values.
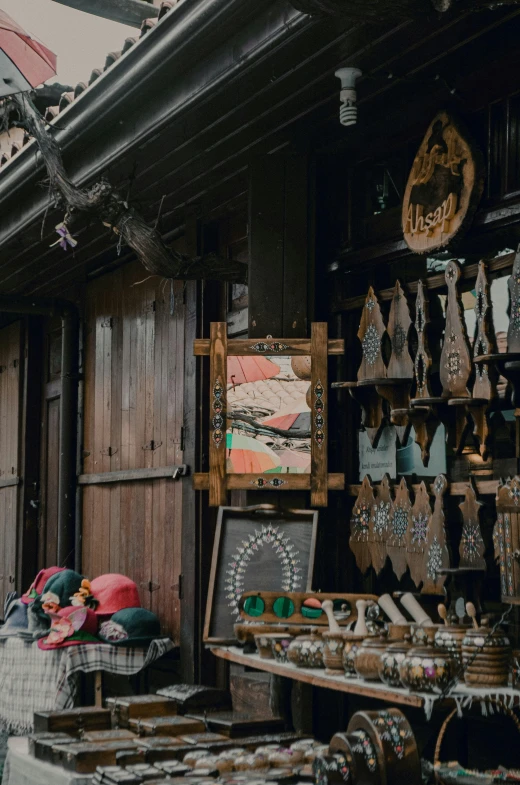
[88, 428]
[116, 373]
[106, 436]
[295, 247]
[217, 415]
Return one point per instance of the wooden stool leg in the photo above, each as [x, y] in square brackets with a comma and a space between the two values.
[98, 689]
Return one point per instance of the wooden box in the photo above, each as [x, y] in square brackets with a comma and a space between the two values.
[192, 697]
[128, 707]
[165, 726]
[84, 757]
[205, 739]
[109, 735]
[158, 748]
[233, 725]
[41, 744]
[127, 757]
[85, 718]
[173, 768]
[116, 775]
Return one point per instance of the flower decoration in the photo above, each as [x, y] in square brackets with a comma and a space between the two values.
[50, 602]
[84, 597]
[111, 631]
[63, 627]
[65, 238]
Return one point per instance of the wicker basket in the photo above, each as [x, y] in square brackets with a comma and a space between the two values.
[445, 780]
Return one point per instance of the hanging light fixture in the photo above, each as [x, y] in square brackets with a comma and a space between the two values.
[348, 95]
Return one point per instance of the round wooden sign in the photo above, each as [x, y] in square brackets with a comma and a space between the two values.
[444, 187]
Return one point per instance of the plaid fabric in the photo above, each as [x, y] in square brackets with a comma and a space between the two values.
[35, 680]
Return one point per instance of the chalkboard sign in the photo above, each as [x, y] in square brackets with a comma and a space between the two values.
[259, 548]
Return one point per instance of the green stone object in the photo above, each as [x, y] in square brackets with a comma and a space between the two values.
[311, 613]
[254, 606]
[283, 607]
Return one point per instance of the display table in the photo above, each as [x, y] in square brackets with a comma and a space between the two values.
[35, 680]
[23, 769]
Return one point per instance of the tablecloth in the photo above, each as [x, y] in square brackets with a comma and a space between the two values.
[22, 769]
[35, 680]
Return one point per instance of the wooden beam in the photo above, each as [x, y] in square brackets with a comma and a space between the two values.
[126, 12]
[243, 346]
[469, 272]
[8, 482]
[131, 475]
[484, 488]
[292, 482]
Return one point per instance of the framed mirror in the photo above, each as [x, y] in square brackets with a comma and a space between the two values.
[268, 414]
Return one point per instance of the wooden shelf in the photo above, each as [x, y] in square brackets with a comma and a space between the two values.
[318, 678]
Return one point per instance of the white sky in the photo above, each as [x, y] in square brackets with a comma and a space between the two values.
[81, 41]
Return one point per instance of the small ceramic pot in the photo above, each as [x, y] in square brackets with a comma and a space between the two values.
[306, 651]
[427, 669]
[391, 660]
[263, 645]
[368, 657]
[350, 647]
[450, 637]
[424, 636]
[280, 643]
[334, 643]
[397, 632]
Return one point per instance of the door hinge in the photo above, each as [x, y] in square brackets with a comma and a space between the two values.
[179, 588]
[151, 586]
[182, 439]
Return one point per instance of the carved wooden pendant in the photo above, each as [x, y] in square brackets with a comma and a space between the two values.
[436, 554]
[472, 546]
[361, 525]
[381, 523]
[506, 539]
[484, 389]
[513, 332]
[417, 534]
[400, 522]
[399, 323]
[423, 358]
[370, 333]
[455, 366]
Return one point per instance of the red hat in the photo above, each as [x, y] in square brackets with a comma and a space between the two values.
[114, 592]
[36, 587]
[71, 626]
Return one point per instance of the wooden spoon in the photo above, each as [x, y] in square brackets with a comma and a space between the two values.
[472, 613]
[443, 613]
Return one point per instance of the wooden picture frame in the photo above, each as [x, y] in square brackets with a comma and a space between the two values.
[248, 534]
[318, 481]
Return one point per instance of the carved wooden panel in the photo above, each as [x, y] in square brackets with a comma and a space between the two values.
[361, 525]
[381, 517]
[506, 539]
[400, 523]
[417, 534]
[370, 333]
[423, 358]
[400, 365]
[472, 546]
[513, 332]
[436, 552]
[455, 365]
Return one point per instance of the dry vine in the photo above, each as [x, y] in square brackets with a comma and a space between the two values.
[103, 202]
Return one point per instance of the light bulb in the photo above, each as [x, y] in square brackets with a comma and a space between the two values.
[348, 95]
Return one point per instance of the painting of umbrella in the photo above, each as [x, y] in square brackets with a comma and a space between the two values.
[293, 462]
[294, 418]
[24, 62]
[246, 455]
[250, 369]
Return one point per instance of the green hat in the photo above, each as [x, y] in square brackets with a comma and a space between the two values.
[59, 590]
[131, 627]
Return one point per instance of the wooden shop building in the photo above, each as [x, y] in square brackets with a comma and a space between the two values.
[221, 121]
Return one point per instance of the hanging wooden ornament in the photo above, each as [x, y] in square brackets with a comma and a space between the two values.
[396, 388]
[437, 556]
[381, 516]
[455, 365]
[506, 539]
[417, 535]
[484, 388]
[361, 525]
[422, 414]
[400, 522]
[472, 546]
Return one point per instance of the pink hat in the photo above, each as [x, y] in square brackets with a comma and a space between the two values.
[72, 626]
[36, 587]
[114, 592]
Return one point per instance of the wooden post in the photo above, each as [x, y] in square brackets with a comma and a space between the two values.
[98, 689]
[217, 414]
[319, 387]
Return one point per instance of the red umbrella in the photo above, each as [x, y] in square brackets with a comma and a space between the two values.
[250, 369]
[24, 62]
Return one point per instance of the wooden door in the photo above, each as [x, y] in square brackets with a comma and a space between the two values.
[134, 355]
[50, 446]
[10, 359]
